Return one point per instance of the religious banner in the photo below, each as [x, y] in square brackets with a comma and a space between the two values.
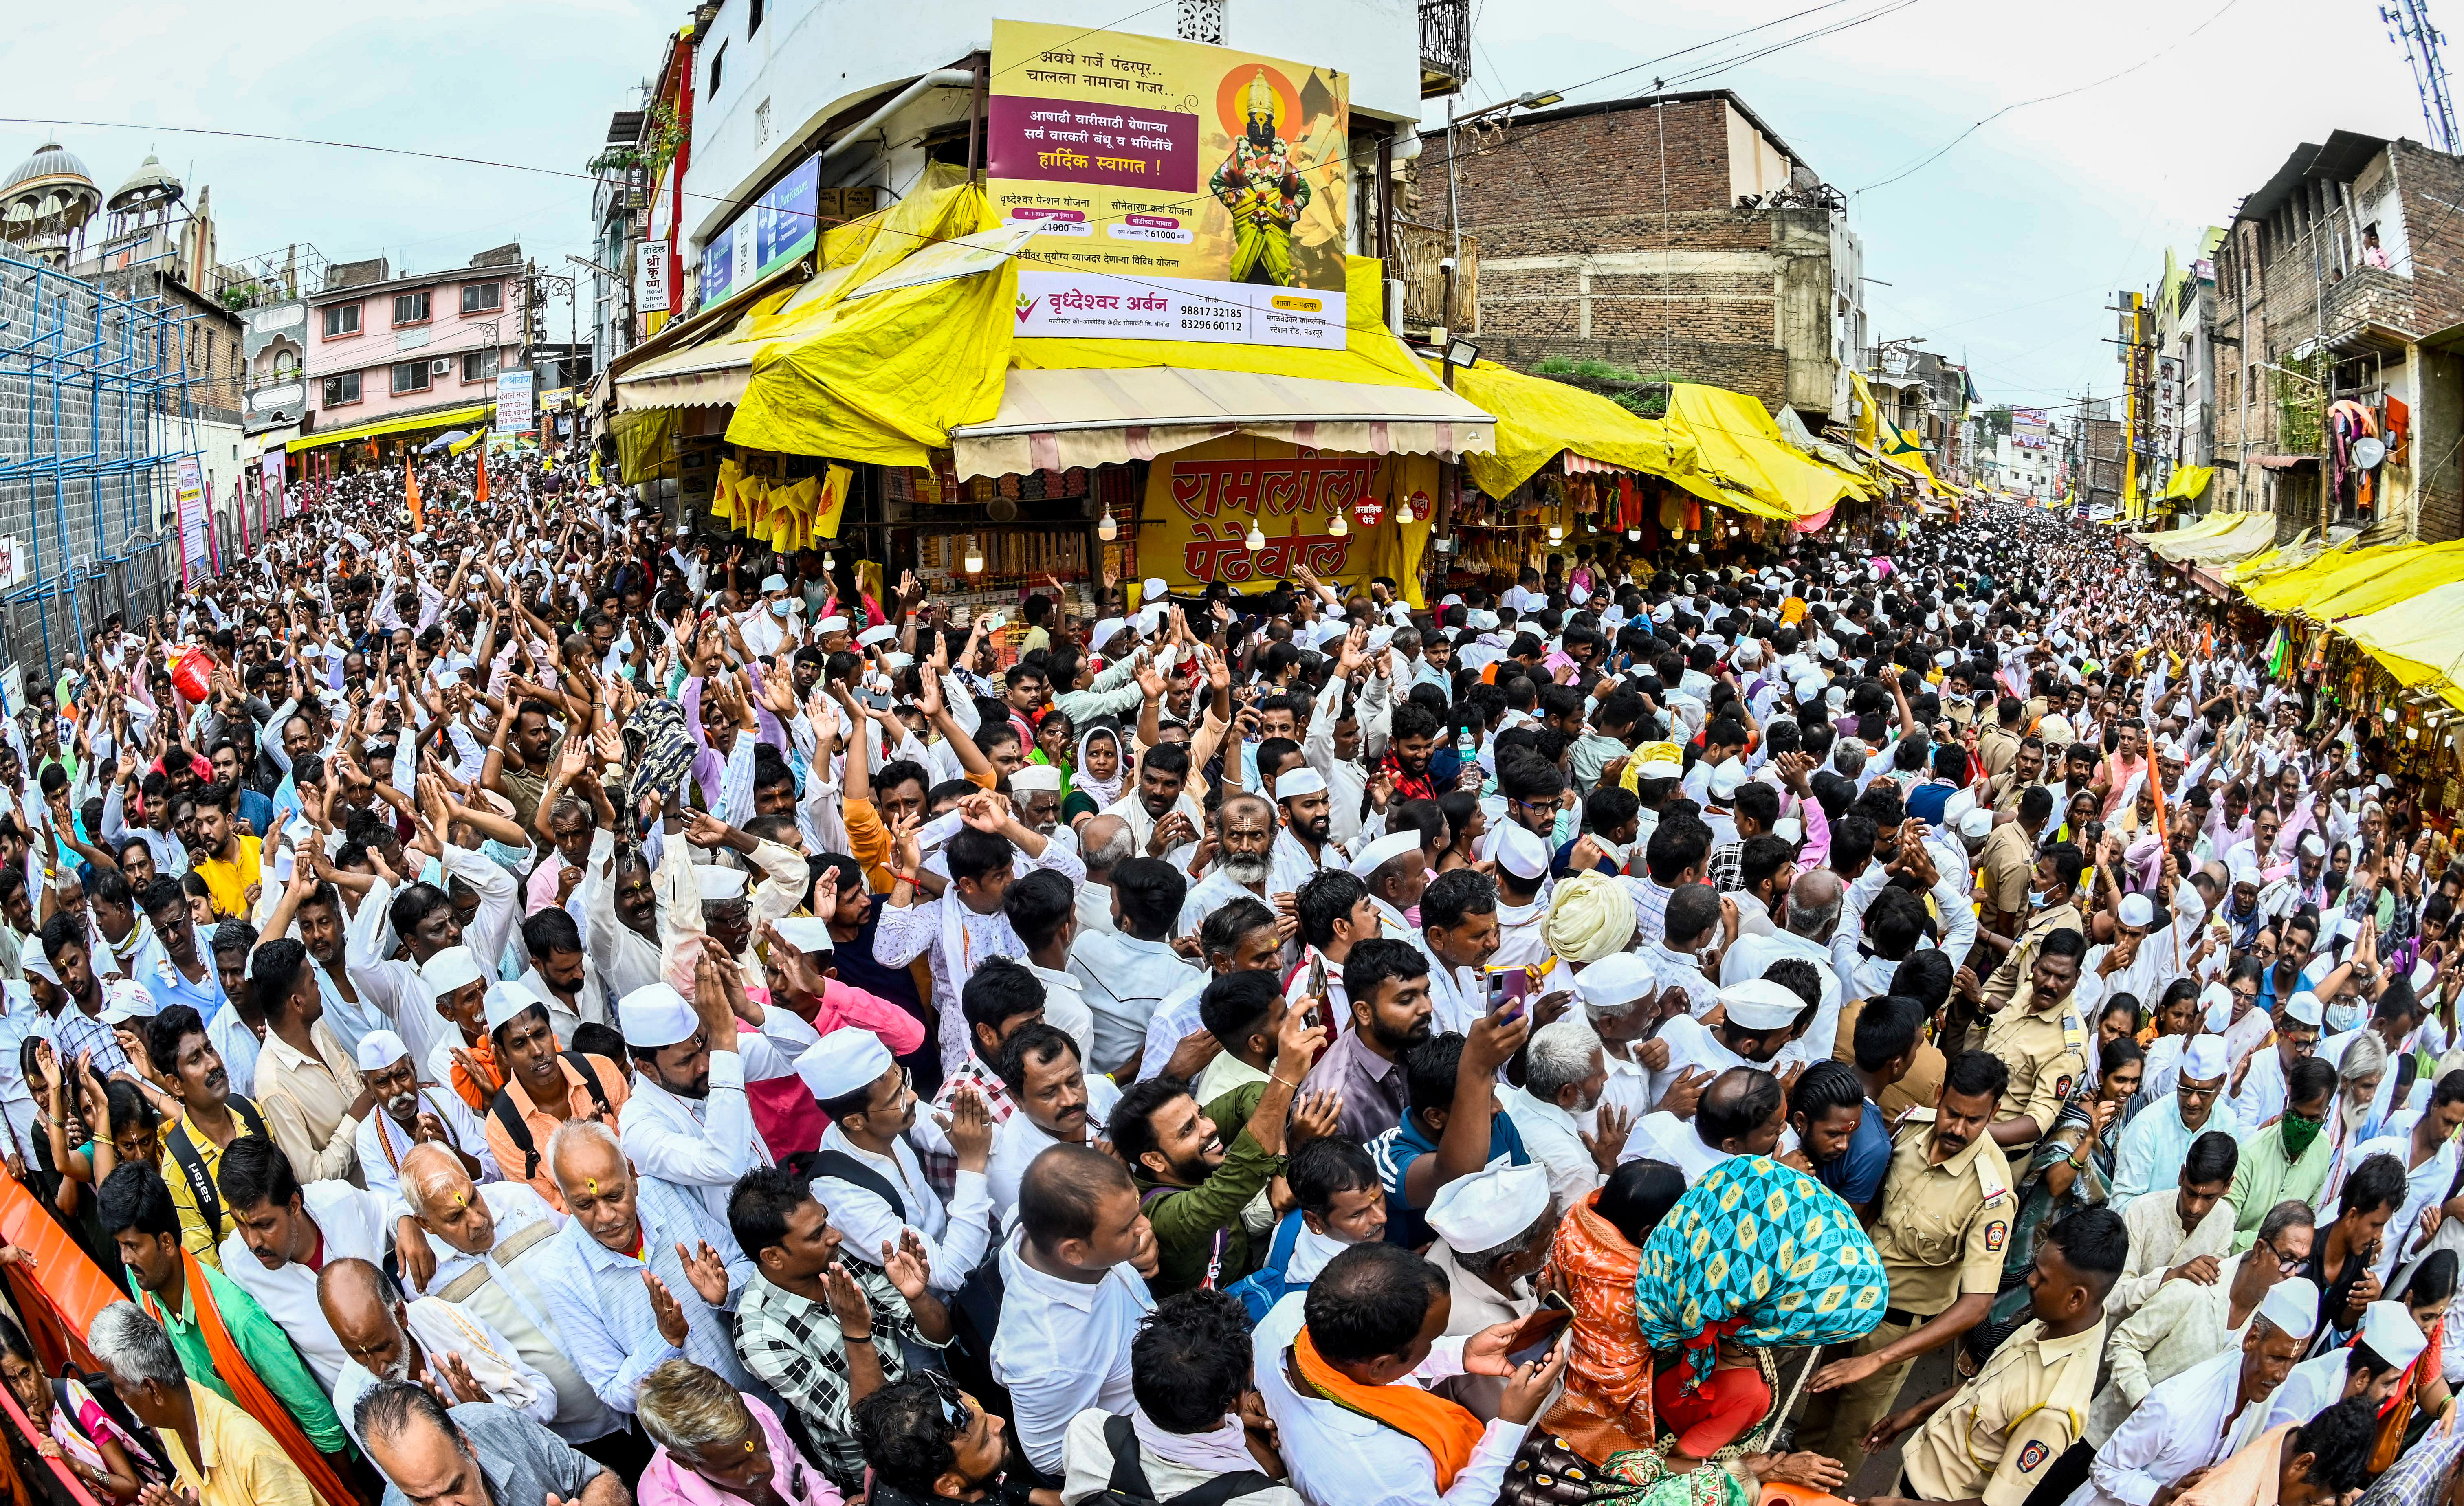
[1183, 191]
[197, 559]
[1202, 502]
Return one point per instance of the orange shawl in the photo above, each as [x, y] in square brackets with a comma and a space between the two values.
[251, 1393]
[1606, 1405]
[1448, 1430]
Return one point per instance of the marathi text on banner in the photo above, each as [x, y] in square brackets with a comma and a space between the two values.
[1202, 502]
[1199, 173]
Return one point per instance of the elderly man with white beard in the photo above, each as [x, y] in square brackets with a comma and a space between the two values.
[425, 1340]
[1244, 861]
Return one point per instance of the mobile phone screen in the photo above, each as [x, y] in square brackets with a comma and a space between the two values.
[1553, 1309]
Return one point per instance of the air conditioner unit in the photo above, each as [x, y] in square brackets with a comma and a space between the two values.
[439, 366]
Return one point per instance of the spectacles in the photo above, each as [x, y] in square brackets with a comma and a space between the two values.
[2285, 1264]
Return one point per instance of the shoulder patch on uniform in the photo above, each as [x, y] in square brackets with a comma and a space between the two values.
[1996, 1232]
[2030, 1456]
[2062, 1086]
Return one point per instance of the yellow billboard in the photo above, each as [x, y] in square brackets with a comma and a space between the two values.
[1181, 192]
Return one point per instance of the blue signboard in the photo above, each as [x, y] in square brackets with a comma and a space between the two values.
[717, 272]
[783, 225]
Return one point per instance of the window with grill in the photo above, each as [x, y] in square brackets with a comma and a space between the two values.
[410, 376]
[342, 389]
[411, 308]
[479, 296]
[343, 319]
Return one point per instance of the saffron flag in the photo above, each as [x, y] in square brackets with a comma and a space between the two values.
[410, 494]
[482, 493]
[833, 503]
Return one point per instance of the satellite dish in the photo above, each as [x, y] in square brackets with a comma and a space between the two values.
[2368, 453]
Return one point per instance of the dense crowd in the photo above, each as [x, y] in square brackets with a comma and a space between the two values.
[532, 1004]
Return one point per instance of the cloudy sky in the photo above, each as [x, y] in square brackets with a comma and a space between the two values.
[2002, 253]
[2005, 252]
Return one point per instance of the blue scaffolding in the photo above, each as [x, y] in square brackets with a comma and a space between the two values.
[94, 416]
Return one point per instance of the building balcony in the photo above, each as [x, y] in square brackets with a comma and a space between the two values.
[2367, 310]
[1445, 46]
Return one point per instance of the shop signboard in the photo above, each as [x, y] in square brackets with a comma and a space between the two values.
[783, 225]
[1202, 502]
[651, 277]
[196, 549]
[1182, 191]
[514, 393]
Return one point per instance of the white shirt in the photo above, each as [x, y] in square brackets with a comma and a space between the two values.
[1665, 1137]
[1340, 1458]
[2158, 1243]
[1122, 980]
[1752, 956]
[444, 1328]
[383, 1143]
[1554, 1139]
[1064, 1007]
[1063, 1346]
[2179, 1425]
[953, 1241]
[1019, 1139]
[700, 1149]
[354, 1223]
[2425, 1184]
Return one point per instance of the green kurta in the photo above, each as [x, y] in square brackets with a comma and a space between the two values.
[265, 1346]
[2265, 1178]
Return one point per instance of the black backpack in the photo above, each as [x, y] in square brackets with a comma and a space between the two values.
[1128, 1487]
[192, 1163]
[519, 1131]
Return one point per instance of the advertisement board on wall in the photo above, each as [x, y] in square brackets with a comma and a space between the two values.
[651, 277]
[783, 225]
[1183, 191]
[1202, 501]
[196, 539]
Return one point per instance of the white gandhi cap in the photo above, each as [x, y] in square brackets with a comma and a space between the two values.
[2388, 1329]
[2292, 1306]
[2203, 1059]
[1489, 1208]
[454, 967]
[1759, 1004]
[846, 1061]
[655, 1016]
[2138, 910]
[1383, 851]
[1520, 853]
[379, 1049]
[1296, 782]
[1615, 981]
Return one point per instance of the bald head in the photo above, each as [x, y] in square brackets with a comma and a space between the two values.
[1106, 843]
[1814, 903]
[443, 1200]
[361, 1307]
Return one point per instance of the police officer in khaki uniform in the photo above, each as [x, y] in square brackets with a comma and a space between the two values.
[2039, 1037]
[2009, 861]
[1998, 745]
[1995, 1438]
[1946, 1212]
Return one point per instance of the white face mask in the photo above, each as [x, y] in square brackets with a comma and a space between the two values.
[2344, 1016]
[779, 608]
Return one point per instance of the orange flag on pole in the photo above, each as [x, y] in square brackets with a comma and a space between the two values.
[482, 494]
[410, 494]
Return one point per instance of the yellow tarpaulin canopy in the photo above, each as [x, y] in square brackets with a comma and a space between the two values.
[2421, 641]
[2248, 534]
[1538, 419]
[2373, 585]
[1742, 453]
[2287, 591]
[2208, 527]
[2189, 482]
[451, 418]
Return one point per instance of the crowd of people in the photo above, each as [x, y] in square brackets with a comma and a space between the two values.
[533, 1004]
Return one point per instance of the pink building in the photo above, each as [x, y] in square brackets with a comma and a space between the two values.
[383, 347]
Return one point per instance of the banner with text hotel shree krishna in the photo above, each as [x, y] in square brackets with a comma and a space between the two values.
[1186, 191]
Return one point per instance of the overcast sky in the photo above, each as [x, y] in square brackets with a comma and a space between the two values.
[2002, 253]
[2006, 250]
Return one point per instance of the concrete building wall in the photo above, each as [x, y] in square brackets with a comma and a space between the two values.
[1613, 234]
[378, 345]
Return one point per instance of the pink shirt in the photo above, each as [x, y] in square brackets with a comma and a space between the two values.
[665, 1482]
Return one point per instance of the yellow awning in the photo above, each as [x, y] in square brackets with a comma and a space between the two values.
[2376, 584]
[2420, 642]
[2286, 592]
[1539, 420]
[451, 418]
[1743, 453]
[2248, 534]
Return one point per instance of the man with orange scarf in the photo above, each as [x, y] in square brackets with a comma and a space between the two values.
[1348, 1394]
[226, 1341]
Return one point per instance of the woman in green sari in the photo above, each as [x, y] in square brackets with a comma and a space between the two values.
[2071, 1168]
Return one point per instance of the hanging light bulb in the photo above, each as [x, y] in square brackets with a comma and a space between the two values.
[1338, 528]
[1257, 538]
[974, 563]
[1634, 536]
[1106, 528]
[1556, 535]
[1693, 548]
[829, 560]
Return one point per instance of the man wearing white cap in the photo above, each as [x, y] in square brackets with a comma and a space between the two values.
[2259, 1097]
[2186, 1234]
[2140, 961]
[868, 1175]
[1493, 1230]
[1523, 901]
[2370, 1366]
[1305, 842]
[2158, 1138]
[688, 1122]
[2429, 1153]
[410, 1113]
[2189, 1323]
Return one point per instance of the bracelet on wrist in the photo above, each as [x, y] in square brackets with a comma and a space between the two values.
[857, 1337]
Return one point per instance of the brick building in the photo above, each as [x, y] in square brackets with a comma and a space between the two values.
[2097, 477]
[2343, 279]
[1673, 234]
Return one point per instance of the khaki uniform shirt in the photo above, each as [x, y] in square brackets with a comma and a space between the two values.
[2046, 1053]
[1943, 1229]
[2007, 863]
[1997, 748]
[1999, 1436]
[2004, 984]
